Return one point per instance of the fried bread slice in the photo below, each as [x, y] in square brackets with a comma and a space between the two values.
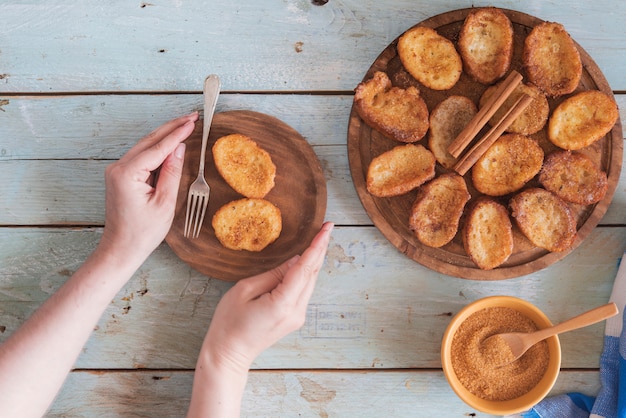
[544, 218]
[400, 170]
[247, 224]
[437, 210]
[551, 59]
[488, 233]
[447, 120]
[582, 119]
[430, 58]
[573, 177]
[507, 165]
[244, 165]
[531, 120]
[399, 114]
[486, 44]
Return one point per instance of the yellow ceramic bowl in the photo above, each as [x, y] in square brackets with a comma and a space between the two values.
[524, 402]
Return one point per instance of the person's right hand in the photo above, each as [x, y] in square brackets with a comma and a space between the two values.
[258, 311]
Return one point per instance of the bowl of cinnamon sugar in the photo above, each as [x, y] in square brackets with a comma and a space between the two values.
[474, 370]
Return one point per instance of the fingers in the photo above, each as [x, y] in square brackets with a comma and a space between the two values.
[152, 157]
[267, 281]
[292, 282]
[170, 174]
[158, 134]
[321, 243]
[327, 229]
[299, 282]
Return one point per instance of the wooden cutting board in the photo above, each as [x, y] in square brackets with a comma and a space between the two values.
[390, 215]
[299, 193]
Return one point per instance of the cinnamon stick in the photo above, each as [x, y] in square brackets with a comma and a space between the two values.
[484, 114]
[482, 145]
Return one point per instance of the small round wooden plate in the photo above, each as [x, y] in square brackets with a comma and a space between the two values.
[299, 193]
[390, 215]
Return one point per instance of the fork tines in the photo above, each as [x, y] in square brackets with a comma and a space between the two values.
[196, 208]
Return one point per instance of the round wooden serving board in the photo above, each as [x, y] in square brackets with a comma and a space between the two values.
[390, 215]
[299, 193]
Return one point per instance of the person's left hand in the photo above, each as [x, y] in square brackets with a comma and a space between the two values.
[260, 310]
[138, 213]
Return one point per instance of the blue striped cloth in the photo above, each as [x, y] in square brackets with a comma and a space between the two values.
[611, 401]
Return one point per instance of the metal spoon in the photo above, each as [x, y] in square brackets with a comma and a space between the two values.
[520, 342]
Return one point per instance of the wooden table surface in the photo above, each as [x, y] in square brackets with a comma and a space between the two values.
[81, 82]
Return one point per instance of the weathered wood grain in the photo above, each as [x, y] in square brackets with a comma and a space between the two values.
[156, 46]
[284, 394]
[106, 126]
[80, 84]
[71, 192]
[64, 138]
[372, 307]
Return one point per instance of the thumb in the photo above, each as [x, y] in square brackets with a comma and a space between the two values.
[170, 173]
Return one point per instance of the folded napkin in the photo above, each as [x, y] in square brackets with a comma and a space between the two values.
[611, 401]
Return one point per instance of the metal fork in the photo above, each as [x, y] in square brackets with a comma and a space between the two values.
[198, 197]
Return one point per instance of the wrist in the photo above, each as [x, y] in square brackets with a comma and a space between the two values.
[126, 260]
[217, 388]
[227, 366]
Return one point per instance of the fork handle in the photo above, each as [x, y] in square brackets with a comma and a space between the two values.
[210, 93]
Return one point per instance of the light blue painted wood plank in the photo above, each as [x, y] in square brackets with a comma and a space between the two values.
[378, 305]
[106, 126]
[285, 394]
[172, 46]
[62, 137]
[52, 192]
[372, 308]
[71, 192]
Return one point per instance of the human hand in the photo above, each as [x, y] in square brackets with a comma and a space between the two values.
[140, 205]
[258, 311]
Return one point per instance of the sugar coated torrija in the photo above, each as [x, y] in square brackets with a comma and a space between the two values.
[478, 365]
